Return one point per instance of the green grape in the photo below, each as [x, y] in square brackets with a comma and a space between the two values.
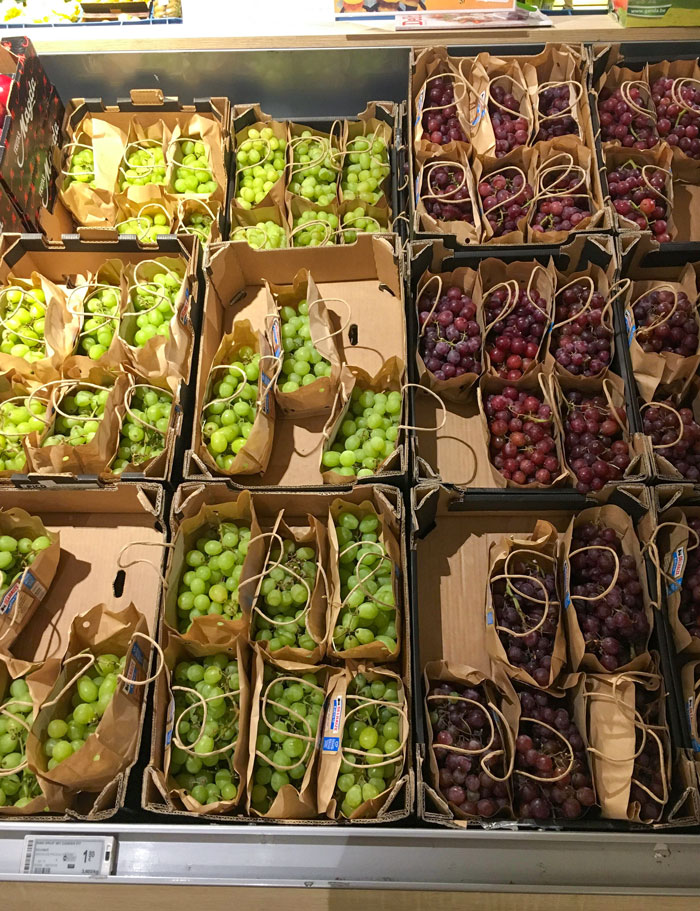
[315, 169]
[193, 172]
[260, 162]
[92, 694]
[265, 235]
[153, 303]
[290, 711]
[212, 677]
[101, 315]
[81, 168]
[368, 612]
[16, 554]
[231, 408]
[368, 434]
[146, 227]
[366, 166]
[23, 314]
[139, 443]
[373, 729]
[283, 599]
[213, 568]
[357, 222]
[83, 408]
[20, 787]
[19, 416]
[198, 223]
[302, 363]
[315, 229]
[143, 164]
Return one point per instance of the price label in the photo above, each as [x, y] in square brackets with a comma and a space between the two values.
[64, 855]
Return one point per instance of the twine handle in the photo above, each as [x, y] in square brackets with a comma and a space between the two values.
[338, 300]
[608, 390]
[575, 95]
[4, 711]
[658, 322]
[329, 232]
[668, 408]
[138, 560]
[610, 587]
[430, 166]
[66, 686]
[569, 748]
[440, 402]
[232, 694]
[358, 585]
[161, 660]
[432, 278]
[363, 702]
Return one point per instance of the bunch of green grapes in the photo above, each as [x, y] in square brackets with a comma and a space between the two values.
[146, 227]
[143, 165]
[153, 302]
[18, 417]
[369, 611]
[193, 174]
[198, 223]
[210, 583]
[86, 408]
[139, 443]
[260, 162]
[303, 363]
[81, 168]
[316, 229]
[21, 787]
[357, 222]
[374, 730]
[283, 599]
[207, 778]
[265, 235]
[93, 693]
[315, 170]
[16, 554]
[99, 327]
[23, 317]
[226, 425]
[299, 703]
[366, 166]
[368, 434]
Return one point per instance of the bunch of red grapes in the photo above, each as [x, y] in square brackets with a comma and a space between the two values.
[689, 610]
[541, 752]
[563, 203]
[614, 624]
[581, 341]
[520, 606]
[675, 435]
[666, 322]
[514, 339]
[462, 780]
[451, 343]
[521, 432]
[631, 124]
[446, 194]
[647, 766]
[678, 124]
[441, 124]
[510, 128]
[553, 101]
[638, 196]
[504, 199]
[594, 444]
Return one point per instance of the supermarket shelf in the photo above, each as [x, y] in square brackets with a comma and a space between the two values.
[383, 858]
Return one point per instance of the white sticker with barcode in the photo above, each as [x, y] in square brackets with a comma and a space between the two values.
[64, 855]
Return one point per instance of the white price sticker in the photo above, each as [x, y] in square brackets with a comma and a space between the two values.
[64, 855]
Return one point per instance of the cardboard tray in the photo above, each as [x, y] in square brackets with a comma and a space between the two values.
[188, 500]
[441, 455]
[367, 274]
[95, 526]
[450, 535]
[28, 253]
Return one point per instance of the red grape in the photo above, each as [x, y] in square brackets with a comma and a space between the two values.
[666, 320]
[594, 444]
[440, 121]
[450, 340]
[677, 103]
[563, 200]
[516, 328]
[675, 435]
[638, 195]
[649, 766]
[581, 339]
[522, 446]
[510, 128]
[555, 105]
[445, 192]
[689, 609]
[505, 196]
[626, 115]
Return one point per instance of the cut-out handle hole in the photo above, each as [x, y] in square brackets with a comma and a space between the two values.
[118, 585]
[352, 334]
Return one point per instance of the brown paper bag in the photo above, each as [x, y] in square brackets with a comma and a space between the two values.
[275, 195]
[326, 218]
[88, 458]
[431, 65]
[501, 711]
[293, 800]
[337, 759]
[554, 165]
[138, 216]
[371, 128]
[254, 456]
[491, 78]
[504, 636]
[213, 629]
[572, 119]
[580, 656]
[15, 390]
[375, 650]
[205, 130]
[314, 612]
[428, 194]
[93, 205]
[112, 747]
[519, 168]
[682, 73]
[110, 276]
[318, 396]
[189, 210]
[155, 135]
[248, 226]
[324, 150]
[635, 91]
[649, 160]
[690, 678]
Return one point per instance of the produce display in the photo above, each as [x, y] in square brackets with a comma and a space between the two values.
[303, 363]
[192, 168]
[145, 426]
[368, 434]
[229, 414]
[282, 611]
[153, 304]
[260, 162]
[18, 785]
[100, 326]
[78, 416]
[23, 317]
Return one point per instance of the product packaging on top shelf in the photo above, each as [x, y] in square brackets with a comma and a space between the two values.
[654, 13]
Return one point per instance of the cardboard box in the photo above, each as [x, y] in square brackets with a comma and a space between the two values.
[100, 531]
[187, 502]
[366, 274]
